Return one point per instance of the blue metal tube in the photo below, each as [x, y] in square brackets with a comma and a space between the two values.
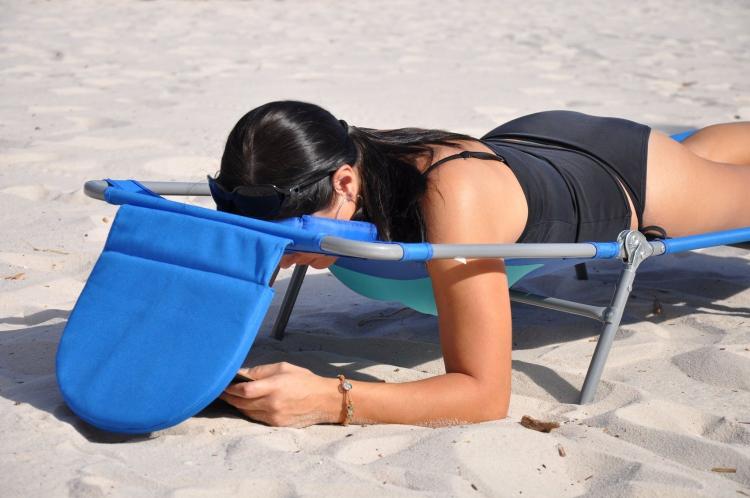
[691, 242]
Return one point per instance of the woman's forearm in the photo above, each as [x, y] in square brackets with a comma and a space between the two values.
[452, 398]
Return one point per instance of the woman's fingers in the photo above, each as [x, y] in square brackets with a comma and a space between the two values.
[282, 394]
[263, 371]
[260, 379]
[251, 389]
[255, 409]
[259, 372]
[245, 372]
[260, 382]
[261, 409]
[245, 404]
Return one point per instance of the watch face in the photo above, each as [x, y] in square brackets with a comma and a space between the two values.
[346, 385]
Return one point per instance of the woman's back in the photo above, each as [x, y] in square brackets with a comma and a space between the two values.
[468, 186]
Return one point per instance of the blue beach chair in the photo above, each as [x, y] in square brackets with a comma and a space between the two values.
[174, 302]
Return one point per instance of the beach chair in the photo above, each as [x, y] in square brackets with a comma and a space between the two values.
[174, 302]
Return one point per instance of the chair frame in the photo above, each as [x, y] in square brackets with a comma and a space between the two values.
[636, 249]
[632, 248]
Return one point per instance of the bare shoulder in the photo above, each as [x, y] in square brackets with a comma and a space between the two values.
[472, 200]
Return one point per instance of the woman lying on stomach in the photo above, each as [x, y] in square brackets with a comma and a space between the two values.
[555, 176]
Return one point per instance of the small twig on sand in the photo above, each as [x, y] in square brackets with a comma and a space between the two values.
[538, 425]
[56, 251]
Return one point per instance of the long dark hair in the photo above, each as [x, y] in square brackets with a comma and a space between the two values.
[286, 142]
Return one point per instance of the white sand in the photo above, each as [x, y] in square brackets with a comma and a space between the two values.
[150, 90]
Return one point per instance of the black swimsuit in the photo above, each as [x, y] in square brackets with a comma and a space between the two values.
[568, 165]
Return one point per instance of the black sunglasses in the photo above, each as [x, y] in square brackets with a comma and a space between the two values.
[259, 201]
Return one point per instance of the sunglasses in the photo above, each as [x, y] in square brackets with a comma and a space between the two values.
[259, 201]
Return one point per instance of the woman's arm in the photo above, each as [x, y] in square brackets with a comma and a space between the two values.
[473, 201]
[475, 336]
[463, 205]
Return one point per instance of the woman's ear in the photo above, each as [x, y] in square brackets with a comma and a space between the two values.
[346, 182]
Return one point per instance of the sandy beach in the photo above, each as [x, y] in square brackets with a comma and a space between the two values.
[149, 90]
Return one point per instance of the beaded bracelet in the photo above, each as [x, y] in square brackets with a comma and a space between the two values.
[344, 388]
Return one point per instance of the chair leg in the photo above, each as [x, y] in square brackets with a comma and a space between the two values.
[611, 324]
[636, 249]
[290, 297]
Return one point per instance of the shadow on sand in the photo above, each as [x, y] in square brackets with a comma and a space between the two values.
[359, 333]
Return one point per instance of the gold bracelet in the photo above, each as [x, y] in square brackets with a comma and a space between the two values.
[348, 411]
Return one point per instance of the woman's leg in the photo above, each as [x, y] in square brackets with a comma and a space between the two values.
[688, 194]
[724, 143]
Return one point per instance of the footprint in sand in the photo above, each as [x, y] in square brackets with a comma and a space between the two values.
[364, 451]
[72, 168]
[90, 485]
[29, 192]
[23, 157]
[662, 415]
[85, 124]
[681, 434]
[718, 367]
[39, 192]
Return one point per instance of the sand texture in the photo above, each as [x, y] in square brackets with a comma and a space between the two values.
[149, 90]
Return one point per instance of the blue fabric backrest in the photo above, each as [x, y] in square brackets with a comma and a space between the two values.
[304, 240]
[354, 230]
[167, 316]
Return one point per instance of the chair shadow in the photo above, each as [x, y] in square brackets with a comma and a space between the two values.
[549, 380]
[665, 289]
[36, 318]
[28, 364]
[353, 334]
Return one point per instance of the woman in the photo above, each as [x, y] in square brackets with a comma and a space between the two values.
[556, 176]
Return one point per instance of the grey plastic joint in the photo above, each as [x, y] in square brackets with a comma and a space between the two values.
[635, 246]
[658, 247]
[95, 189]
[358, 249]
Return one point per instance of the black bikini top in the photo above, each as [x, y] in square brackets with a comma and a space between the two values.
[651, 232]
[465, 155]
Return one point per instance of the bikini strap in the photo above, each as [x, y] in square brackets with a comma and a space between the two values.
[465, 155]
[654, 232]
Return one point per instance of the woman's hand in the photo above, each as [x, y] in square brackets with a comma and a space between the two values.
[283, 394]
